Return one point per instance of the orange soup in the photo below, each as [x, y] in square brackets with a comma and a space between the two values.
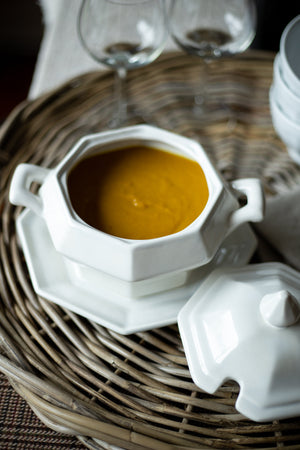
[138, 192]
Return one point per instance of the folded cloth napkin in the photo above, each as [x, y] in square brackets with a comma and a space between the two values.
[280, 229]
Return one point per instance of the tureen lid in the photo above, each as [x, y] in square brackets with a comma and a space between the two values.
[243, 324]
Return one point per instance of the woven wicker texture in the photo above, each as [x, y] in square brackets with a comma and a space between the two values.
[133, 391]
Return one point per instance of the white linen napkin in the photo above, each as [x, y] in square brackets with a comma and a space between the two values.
[280, 228]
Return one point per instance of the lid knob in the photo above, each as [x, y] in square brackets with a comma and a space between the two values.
[280, 309]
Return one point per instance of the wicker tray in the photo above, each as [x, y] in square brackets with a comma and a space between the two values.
[80, 378]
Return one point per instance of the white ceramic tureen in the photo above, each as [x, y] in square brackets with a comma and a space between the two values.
[134, 260]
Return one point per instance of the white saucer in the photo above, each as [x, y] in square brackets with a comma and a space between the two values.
[51, 280]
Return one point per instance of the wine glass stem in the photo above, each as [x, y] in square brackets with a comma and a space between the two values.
[200, 98]
[121, 95]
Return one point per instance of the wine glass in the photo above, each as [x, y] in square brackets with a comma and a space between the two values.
[123, 34]
[211, 29]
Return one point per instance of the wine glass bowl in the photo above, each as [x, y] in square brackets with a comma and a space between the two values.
[123, 35]
[212, 29]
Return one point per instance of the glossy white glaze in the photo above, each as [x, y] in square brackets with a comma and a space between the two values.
[289, 51]
[135, 260]
[109, 301]
[242, 324]
[283, 95]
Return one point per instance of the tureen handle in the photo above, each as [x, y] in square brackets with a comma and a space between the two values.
[20, 193]
[254, 209]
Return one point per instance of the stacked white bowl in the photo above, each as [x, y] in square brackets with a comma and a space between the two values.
[285, 90]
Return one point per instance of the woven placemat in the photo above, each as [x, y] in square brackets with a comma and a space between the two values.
[21, 429]
[80, 378]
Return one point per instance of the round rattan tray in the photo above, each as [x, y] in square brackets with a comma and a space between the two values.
[133, 391]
